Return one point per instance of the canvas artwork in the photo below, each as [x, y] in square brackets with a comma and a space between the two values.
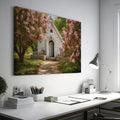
[45, 44]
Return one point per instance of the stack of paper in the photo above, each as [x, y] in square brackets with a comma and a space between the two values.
[71, 100]
[19, 102]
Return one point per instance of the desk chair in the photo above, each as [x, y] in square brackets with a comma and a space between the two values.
[102, 117]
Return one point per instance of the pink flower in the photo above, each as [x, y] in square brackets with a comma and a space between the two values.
[23, 10]
[76, 36]
[61, 51]
[28, 14]
[32, 28]
[41, 52]
[77, 46]
[71, 31]
[40, 37]
[68, 47]
[32, 22]
[33, 37]
[63, 46]
[29, 20]
[72, 55]
[27, 29]
[16, 17]
[66, 40]
[40, 29]
[77, 54]
[72, 23]
[70, 37]
[63, 29]
[70, 58]
[18, 23]
[25, 23]
[64, 33]
[21, 17]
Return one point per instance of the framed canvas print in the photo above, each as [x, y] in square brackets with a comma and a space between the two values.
[45, 44]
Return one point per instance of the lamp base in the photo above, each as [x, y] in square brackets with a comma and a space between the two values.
[117, 91]
[105, 92]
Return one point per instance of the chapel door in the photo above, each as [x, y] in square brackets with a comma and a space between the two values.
[51, 49]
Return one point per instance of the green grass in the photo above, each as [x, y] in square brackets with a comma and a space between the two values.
[68, 67]
[29, 66]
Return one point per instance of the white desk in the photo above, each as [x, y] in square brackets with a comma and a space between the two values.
[46, 110]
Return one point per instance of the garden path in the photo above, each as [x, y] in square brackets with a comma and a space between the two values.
[49, 67]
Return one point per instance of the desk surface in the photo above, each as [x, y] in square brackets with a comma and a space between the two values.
[46, 110]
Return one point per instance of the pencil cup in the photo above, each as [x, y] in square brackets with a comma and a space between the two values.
[38, 97]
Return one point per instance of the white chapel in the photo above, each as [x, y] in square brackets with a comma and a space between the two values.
[52, 43]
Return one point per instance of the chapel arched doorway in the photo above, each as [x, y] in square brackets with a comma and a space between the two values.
[51, 48]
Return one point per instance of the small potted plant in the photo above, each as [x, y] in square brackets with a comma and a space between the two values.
[3, 88]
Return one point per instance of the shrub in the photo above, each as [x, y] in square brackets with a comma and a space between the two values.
[3, 85]
[69, 67]
[29, 50]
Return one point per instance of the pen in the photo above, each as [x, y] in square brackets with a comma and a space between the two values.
[36, 90]
[39, 90]
[32, 90]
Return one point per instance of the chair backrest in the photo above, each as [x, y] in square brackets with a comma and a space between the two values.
[101, 117]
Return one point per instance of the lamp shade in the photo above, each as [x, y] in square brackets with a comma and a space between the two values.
[94, 63]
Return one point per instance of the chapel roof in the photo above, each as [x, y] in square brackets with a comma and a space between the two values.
[52, 22]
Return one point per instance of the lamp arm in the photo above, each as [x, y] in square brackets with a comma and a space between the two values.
[107, 80]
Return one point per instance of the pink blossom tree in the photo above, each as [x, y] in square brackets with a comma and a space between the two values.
[72, 41]
[29, 26]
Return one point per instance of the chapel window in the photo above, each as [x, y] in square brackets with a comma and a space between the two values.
[51, 30]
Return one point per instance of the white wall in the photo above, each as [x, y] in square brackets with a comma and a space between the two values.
[109, 44]
[86, 11]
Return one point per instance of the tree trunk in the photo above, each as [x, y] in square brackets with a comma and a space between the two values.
[21, 58]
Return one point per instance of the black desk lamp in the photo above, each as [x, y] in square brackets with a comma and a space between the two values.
[94, 63]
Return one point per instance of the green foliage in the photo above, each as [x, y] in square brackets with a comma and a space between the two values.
[68, 67]
[60, 23]
[3, 85]
[27, 68]
[29, 50]
[42, 52]
[34, 46]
